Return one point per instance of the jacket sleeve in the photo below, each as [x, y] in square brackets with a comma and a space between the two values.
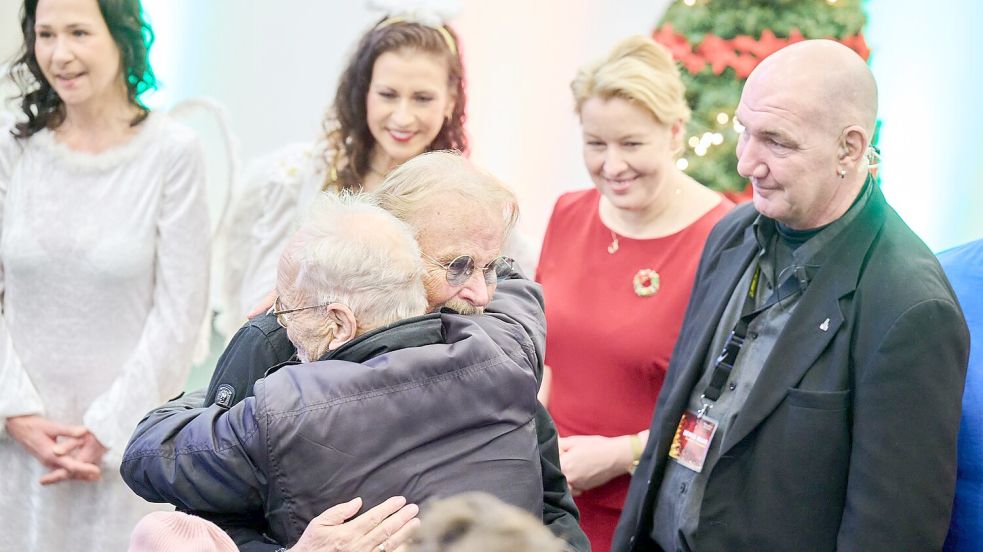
[906, 417]
[520, 301]
[245, 360]
[198, 459]
[560, 513]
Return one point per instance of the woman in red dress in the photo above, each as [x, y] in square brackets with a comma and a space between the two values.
[617, 268]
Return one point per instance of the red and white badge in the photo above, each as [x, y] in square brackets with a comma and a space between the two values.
[692, 440]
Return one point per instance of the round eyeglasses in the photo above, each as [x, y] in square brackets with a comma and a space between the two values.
[461, 268]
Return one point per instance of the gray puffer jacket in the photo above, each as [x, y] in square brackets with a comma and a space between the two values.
[453, 414]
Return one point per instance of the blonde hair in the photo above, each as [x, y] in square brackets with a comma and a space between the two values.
[411, 190]
[640, 71]
[479, 522]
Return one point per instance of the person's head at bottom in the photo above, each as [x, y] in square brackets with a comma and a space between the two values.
[169, 531]
[461, 216]
[479, 522]
[349, 270]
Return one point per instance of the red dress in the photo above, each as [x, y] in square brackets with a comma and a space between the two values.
[608, 346]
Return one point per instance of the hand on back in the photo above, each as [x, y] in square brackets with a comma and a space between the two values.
[384, 528]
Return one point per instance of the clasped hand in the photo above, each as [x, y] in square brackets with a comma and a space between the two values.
[69, 451]
[589, 461]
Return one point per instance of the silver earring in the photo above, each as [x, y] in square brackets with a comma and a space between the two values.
[841, 173]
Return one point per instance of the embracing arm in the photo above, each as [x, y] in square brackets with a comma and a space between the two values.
[198, 459]
[906, 417]
[253, 350]
[560, 513]
[519, 300]
[246, 528]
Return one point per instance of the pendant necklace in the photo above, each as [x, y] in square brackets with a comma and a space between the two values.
[613, 248]
[646, 281]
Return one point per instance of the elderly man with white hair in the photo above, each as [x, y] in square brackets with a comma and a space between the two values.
[358, 272]
[422, 406]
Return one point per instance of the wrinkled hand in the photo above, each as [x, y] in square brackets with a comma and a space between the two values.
[85, 449]
[590, 461]
[264, 305]
[388, 525]
[39, 436]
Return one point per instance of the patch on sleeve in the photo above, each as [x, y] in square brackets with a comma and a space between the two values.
[225, 395]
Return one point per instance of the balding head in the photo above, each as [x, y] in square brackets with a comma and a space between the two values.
[829, 77]
[808, 111]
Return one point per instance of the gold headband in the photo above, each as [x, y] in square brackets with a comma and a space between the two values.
[448, 39]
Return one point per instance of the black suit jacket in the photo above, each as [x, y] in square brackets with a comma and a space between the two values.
[848, 438]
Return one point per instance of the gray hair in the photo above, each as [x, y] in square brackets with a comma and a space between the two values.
[349, 251]
[479, 522]
[410, 191]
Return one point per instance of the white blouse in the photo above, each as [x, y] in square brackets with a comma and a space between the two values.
[103, 281]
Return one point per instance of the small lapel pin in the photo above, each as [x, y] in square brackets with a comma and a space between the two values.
[825, 325]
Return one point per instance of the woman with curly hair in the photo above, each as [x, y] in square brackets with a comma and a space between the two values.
[104, 242]
[401, 94]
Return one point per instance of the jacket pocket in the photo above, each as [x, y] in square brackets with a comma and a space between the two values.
[819, 400]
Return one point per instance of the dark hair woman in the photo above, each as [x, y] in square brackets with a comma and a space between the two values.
[103, 271]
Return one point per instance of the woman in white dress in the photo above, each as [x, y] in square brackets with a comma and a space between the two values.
[104, 241]
[401, 94]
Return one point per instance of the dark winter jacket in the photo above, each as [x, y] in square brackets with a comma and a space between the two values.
[454, 413]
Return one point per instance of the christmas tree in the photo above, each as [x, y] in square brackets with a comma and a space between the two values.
[718, 43]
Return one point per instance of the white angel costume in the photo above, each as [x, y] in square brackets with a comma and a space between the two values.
[104, 280]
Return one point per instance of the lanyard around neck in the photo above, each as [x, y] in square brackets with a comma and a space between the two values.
[728, 356]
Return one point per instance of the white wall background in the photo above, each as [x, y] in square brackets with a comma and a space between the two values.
[274, 65]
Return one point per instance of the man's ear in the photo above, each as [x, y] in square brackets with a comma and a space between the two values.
[853, 147]
[344, 322]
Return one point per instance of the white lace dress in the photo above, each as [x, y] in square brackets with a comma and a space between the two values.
[103, 280]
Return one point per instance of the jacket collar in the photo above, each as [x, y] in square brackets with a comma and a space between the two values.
[816, 320]
[403, 334]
